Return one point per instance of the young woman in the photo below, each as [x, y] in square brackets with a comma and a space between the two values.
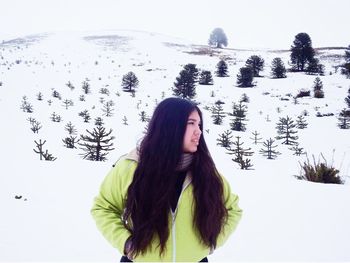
[166, 201]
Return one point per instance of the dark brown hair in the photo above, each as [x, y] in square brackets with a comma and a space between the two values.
[149, 194]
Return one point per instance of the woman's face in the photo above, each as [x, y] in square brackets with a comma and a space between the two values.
[192, 133]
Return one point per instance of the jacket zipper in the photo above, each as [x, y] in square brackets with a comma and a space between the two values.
[173, 215]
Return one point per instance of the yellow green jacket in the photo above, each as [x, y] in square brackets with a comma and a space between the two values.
[184, 241]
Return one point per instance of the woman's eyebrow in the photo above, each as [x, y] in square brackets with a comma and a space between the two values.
[195, 120]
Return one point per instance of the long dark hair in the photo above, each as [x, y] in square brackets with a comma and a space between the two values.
[149, 195]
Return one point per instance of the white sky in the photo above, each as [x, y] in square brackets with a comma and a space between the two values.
[248, 23]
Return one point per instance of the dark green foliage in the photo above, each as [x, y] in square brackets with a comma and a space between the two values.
[245, 77]
[185, 85]
[70, 142]
[269, 151]
[240, 153]
[318, 88]
[319, 172]
[239, 112]
[224, 139]
[347, 54]
[256, 137]
[301, 51]
[347, 99]
[346, 69]
[217, 38]
[99, 121]
[86, 87]
[278, 69]
[218, 114]
[285, 129]
[130, 82]
[86, 115]
[301, 122]
[344, 119]
[221, 69]
[70, 128]
[297, 150]
[205, 78]
[97, 144]
[314, 67]
[256, 63]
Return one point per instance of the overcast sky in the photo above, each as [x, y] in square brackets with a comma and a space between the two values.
[247, 23]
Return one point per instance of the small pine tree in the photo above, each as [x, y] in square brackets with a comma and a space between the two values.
[256, 139]
[221, 69]
[278, 69]
[240, 153]
[205, 78]
[108, 108]
[70, 142]
[185, 84]
[269, 151]
[47, 156]
[86, 115]
[217, 113]
[143, 116]
[256, 63]
[301, 122]
[70, 128]
[239, 112]
[39, 96]
[86, 87]
[318, 88]
[285, 130]
[344, 120]
[224, 139]
[125, 120]
[99, 121]
[347, 99]
[297, 150]
[67, 103]
[97, 144]
[245, 77]
[130, 82]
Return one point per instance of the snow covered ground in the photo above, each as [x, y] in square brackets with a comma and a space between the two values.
[284, 219]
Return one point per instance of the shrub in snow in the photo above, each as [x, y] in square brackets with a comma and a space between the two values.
[70, 142]
[303, 93]
[70, 128]
[205, 78]
[256, 63]
[245, 77]
[130, 82]
[86, 87]
[278, 69]
[185, 84]
[221, 69]
[319, 172]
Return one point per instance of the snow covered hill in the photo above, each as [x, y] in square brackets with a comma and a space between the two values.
[46, 204]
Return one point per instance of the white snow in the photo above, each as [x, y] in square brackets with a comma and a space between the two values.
[284, 219]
